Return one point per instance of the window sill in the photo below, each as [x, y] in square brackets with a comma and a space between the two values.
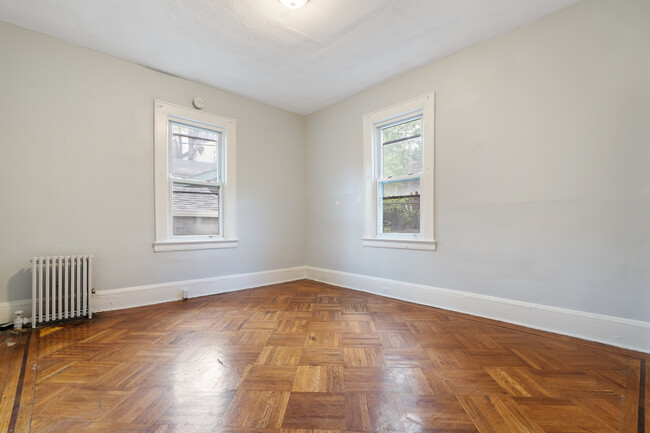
[194, 245]
[406, 244]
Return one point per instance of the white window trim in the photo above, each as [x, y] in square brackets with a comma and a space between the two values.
[163, 113]
[426, 240]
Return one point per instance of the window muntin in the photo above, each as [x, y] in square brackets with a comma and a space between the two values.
[195, 179]
[399, 175]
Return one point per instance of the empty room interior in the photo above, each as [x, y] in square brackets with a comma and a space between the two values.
[325, 216]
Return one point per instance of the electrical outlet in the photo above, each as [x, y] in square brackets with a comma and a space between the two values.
[385, 291]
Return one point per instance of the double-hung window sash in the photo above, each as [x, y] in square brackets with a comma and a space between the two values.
[399, 176]
[195, 179]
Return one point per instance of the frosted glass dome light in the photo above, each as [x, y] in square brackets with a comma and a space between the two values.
[293, 4]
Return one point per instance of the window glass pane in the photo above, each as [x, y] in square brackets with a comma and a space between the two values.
[195, 209]
[195, 226]
[196, 198]
[400, 204]
[194, 153]
[402, 148]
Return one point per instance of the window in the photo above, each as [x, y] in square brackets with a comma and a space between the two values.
[195, 183]
[399, 176]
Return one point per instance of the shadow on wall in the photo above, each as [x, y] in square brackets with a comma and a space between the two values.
[19, 285]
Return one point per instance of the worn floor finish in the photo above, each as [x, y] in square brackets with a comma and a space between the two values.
[305, 357]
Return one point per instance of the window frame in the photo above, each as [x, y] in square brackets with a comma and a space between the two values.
[423, 106]
[164, 114]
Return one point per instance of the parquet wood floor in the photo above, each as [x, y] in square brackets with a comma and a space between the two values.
[305, 357]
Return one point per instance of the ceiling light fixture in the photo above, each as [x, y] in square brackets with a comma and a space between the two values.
[293, 4]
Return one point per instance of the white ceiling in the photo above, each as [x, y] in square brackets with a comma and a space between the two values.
[300, 60]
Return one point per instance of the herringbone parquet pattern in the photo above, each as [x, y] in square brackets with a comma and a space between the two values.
[305, 357]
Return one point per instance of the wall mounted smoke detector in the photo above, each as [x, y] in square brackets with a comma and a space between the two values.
[198, 103]
[293, 4]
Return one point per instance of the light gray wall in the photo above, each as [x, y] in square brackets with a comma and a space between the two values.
[76, 169]
[543, 166]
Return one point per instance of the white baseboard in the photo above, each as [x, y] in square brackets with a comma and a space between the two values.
[128, 297]
[616, 331]
[7, 309]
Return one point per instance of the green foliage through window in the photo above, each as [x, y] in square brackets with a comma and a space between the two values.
[401, 206]
[401, 147]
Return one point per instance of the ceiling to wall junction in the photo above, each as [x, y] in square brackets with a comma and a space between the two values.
[300, 60]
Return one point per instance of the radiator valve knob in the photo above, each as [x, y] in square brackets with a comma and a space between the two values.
[18, 321]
